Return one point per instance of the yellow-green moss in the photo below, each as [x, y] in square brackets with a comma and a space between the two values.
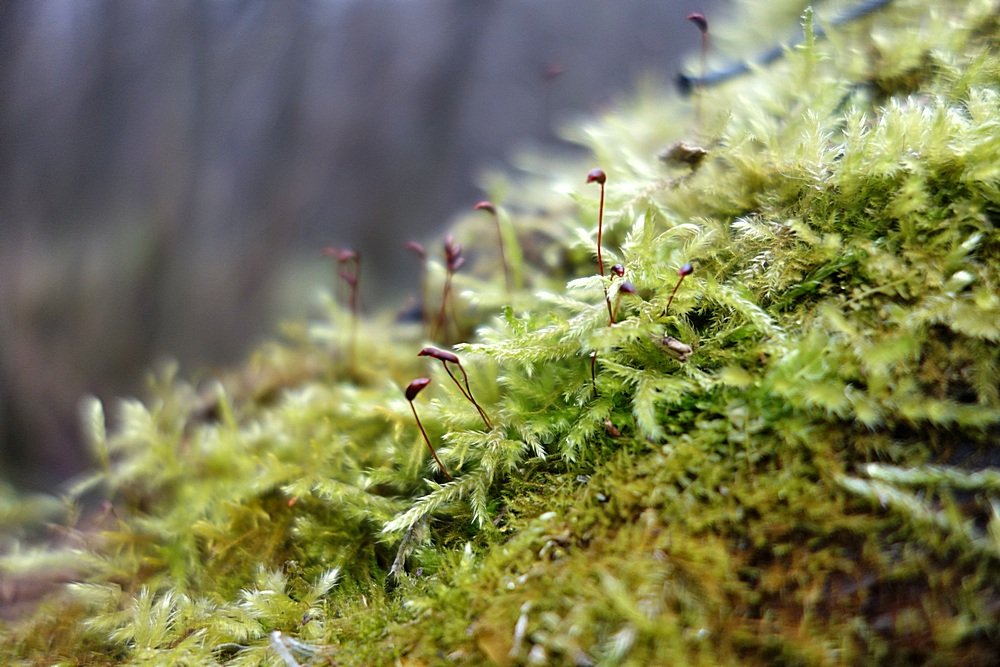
[818, 483]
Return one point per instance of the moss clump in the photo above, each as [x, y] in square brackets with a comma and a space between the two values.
[816, 483]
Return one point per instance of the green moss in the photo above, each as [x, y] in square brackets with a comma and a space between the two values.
[817, 483]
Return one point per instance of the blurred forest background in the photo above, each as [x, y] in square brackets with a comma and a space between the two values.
[169, 169]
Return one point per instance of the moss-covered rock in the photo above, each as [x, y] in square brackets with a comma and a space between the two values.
[815, 481]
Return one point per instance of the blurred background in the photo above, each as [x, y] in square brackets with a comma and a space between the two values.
[169, 169]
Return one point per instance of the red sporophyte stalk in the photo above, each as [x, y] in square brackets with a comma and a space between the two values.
[598, 176]
[412, 389]
[349, 270]
[551, 72]
[593, 371]
[492, 210]
[445, 358]
[682, 273]
[419, 250]
[625, 288]
[699, 20]
[453, 262]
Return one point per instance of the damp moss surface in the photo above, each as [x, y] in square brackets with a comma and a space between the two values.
[795, 463]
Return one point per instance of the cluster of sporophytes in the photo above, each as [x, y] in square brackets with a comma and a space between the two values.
[790, 458]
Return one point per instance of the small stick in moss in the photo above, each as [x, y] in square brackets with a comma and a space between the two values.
[453, 262]
[492, 210]
[699, 20]
[685, 270]
[412, 389]
[419, 250]
[445, 358]
[679, 350]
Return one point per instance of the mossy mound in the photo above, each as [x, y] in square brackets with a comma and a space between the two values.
[817, 481]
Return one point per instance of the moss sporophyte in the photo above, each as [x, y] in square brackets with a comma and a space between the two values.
[348, 267]
[492, 210]
[598, 176]
[699, 20]
[446, 358]
[682, 273]
[412, 390]
[421, 253]
[453, 262]
[820, 485]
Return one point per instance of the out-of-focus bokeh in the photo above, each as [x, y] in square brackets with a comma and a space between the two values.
[166, 165]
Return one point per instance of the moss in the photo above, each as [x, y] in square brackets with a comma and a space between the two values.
[815, 483]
